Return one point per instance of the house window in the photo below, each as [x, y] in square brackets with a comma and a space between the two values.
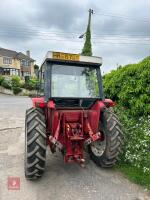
[9, 71]
[14, 72]
[7, 60]
[26, 74]
[25, 63]
[6, 72]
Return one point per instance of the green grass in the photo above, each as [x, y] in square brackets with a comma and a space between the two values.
[136, 175]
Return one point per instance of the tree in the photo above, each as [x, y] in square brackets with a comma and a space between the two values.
[36, 69]
[87, 49]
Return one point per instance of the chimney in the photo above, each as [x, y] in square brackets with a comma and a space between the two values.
[28, 53]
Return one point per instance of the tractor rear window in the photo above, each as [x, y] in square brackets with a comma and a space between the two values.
[74, 81]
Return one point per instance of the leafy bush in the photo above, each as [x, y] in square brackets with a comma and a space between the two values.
[16, 90]
[22, 84]
[25, 93]
[1, 79]
[15, 81]
[16, 84]
[31, 84]
[6, 84]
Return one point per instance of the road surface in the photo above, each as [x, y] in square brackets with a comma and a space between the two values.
[60, 181]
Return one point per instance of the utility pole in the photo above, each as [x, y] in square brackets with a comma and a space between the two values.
[87, 49]
[90, 14]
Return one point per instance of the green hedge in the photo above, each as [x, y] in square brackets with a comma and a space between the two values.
[129, 86]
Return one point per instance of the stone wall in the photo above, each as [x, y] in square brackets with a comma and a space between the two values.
[24, 92]
[5, 91]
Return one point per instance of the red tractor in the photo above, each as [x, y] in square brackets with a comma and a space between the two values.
[69, 114]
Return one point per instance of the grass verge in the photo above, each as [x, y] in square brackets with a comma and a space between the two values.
[136, 175]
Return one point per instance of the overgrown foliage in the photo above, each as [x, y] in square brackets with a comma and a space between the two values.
[31, 84]
[129, 86]
[16, 84]
[1, 79]
[137, 140]
[6, 84]
[87, 49]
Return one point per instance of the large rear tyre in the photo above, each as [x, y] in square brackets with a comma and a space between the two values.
[35, 143]
[105, 153]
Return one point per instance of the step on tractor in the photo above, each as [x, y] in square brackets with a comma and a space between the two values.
[71, 114]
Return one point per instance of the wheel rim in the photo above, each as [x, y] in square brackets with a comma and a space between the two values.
[98, 147]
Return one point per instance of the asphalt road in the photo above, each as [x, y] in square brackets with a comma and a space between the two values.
[60, 181]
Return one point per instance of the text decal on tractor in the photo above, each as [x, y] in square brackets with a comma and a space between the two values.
[70, 112]
[66, 56]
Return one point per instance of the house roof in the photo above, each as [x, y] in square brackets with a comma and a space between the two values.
[21, 56]
[7, 52]
[14, 54]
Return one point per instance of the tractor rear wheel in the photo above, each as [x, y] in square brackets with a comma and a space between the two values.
[105, 153]
[35, 143]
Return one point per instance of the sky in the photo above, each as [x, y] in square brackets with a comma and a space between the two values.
[120, 29]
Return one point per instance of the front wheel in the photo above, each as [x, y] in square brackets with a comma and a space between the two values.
[105, 153]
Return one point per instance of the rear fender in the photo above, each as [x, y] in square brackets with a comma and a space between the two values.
[99, 105]
[95, 112]
[109, 103]
[38, 102]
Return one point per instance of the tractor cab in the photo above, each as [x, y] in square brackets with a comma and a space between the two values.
[71, 80]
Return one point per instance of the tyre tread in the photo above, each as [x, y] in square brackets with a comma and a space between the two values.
[35, 143]
[114, 141]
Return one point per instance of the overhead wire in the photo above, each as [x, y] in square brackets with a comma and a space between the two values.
[120, 16]
[39, 32]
